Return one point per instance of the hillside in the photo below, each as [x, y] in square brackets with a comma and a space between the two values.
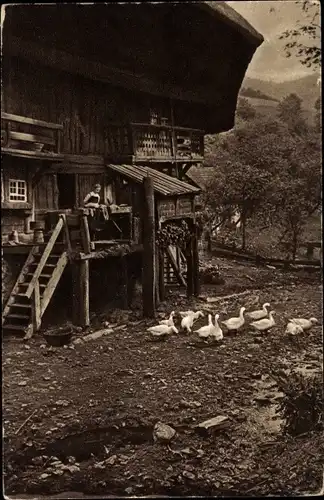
[306, 88]
[268, 109]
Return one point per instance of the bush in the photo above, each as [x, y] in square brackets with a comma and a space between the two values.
[302, 404]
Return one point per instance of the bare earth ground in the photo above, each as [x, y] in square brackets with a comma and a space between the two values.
[100, 401]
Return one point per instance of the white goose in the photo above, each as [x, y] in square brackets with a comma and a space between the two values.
[259, 313]
[205, 331]
[169, 321]
[264, 324]
[217, 332]
[235, 323]
[186, 313]
[306, 324]
[293, 328]
[188, 321]
[162, 330]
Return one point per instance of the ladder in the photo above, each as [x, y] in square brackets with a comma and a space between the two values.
[35, 286]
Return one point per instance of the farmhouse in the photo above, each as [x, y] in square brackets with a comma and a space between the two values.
[119, 95]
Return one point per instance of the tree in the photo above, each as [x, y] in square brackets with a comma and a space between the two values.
[290, 112]
[270, 173]
[305, 40]
[242, 186]
[245, 110]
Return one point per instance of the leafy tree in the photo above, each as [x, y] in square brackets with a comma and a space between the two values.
[245, 110]
[290, 112]
[272, 174]
[242, 186]
[305, 40]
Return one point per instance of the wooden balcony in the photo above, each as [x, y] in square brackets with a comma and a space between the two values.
[28, 138]
[145, 143]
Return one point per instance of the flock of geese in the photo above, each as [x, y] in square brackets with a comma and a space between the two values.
[262, 322]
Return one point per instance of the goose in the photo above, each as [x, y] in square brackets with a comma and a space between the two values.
[306, 324]
[198, 314]
[259, 313]
[183, 314]
[217, 332]
[169, 321]
[264, 324]
[162, 330]
[293, 328]
[235, 323]
[187, 322]
[205, 331]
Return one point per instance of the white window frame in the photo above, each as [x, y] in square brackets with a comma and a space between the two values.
[13, 184]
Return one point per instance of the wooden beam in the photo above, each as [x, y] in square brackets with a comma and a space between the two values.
[175, 267]
[85, 234]
[189, 270]
[161, 275]
[67, 235]
[38, 155]
[30, 121]
[44, 257]
[80, 293]
[55, 278]
[149, 250]
[36, 308]
[84, 318]
[195, 263]
[21, 136]
[124, 282]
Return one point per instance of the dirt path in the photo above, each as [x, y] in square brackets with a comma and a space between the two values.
[93, 407]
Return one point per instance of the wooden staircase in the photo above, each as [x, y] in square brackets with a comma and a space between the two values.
[35, 286]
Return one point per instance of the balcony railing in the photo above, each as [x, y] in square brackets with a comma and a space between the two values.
[145, 142]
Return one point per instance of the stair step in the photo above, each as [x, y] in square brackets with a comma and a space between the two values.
[41, 276]
[25, 306]
[18, 316]
[41, 285]
[46, 265]
[22, 328]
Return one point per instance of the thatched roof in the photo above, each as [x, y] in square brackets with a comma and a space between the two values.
[227, 14]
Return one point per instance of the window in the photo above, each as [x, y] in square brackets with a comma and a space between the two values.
[17, 190]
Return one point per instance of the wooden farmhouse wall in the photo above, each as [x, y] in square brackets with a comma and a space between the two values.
[84, 107]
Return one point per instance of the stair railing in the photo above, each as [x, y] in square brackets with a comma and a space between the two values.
[46, 253]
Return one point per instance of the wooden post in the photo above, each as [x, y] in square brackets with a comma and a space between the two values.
[161, 275]
[195, 263]
[157, 277]
[36, 314]
[80, 283]
[66, 235]
[189, 270]
[124, 282]
[85, 234]
[149, 250]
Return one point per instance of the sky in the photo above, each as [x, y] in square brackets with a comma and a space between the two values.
[269, 61]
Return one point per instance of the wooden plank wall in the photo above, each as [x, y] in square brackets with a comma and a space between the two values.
[46, 193]
[81, 105]
[84, 107]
